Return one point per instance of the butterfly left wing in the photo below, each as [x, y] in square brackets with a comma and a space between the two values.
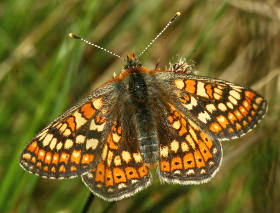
[122, 171]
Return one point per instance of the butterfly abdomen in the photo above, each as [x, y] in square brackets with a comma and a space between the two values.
[139, 98]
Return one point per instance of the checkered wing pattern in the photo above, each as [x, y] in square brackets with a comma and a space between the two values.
[200, 112]
[122, 171]
[69, 146]
[223, 109]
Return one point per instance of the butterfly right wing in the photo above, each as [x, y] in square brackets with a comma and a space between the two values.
[72, 143]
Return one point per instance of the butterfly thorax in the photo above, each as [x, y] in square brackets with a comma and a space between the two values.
[138, 99]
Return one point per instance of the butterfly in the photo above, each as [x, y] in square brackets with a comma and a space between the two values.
[139, 119]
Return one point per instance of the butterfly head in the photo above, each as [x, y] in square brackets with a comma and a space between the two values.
[132, 61]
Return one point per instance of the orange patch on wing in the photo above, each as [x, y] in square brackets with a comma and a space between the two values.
[131, 173]
[46, 168]
[76, 156]
[243, 111]
[143, 171]
[231, 130]
[48, 158]
[245, 123]
[247, 105]
[204, 151]
[238, 126]
[215, 127]
[62, 169]
[71, 123]
[112, 145]
[209, 90]
[64, 157]
[190, 86]
[32, 146]
[250, 119]
[206, 140]
[73, 168]
[238, 114]
[119, 130]
[165, 166]
[231, 117]
[188, 161]
[100, 172]
[39, 165]
[222, 121]
[41, 155]
[198, 159]
[109, 178]
[250, 94]
[182, 131]
[87, 158]
[87, 111]
[119, 175]
[55, 158]
[53, 170]
[176, 163]
[33, 160]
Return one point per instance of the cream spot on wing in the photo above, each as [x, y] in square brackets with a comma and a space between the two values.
[80, 121]
[201, 90]
[59, 146]
[26, 156]
[53, 143]
[230, 105]
[211, 108]
[217, 96]
[104, 152]
[116, 137]
[67, 132]
[235, 94]
[203, 117]
[215, 150]
[176, 125]
[94, 126]
[179, 83]
[122, 185]
[43, 134]
[58, 125]
[192, 104]
[193, 124]
[232, 100]
[174, 146]
[90, 175]
[218, 91]
[47, 139]
[190, 172]
[211, 163]
[202, 171]
[137, 157]
[62, 128]
[117, 161]
[222, 107]
[190, 141]
[91, 143]
[126, 156]
[68, 143]
[185, 147]
[164, 151]
[109, 158]
[80, 139]
[97, 103]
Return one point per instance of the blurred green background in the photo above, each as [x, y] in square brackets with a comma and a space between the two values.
[43, 72]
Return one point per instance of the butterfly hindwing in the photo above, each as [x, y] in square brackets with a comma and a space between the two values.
[122, 171]
[69, 146]
[187, 155]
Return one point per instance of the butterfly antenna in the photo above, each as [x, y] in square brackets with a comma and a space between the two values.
[72, 35]
[159, 34]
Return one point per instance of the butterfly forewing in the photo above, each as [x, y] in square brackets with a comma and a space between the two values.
[122, 171]
[223, 109]
[70, 145]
